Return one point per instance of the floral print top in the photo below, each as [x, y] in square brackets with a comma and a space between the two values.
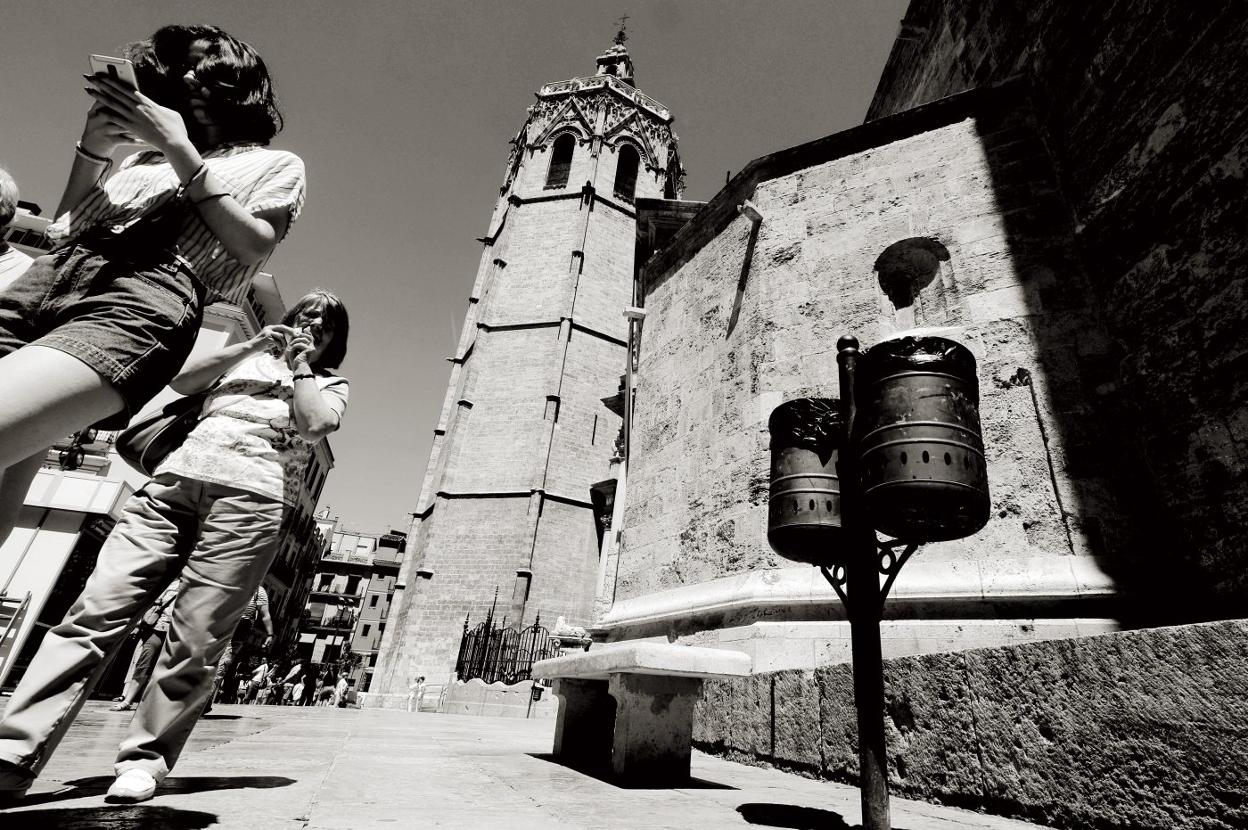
[247, 437]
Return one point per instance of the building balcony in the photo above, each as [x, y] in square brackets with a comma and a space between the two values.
[337, 591]
[341, 622]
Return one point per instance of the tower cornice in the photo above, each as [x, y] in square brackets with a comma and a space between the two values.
[595, 83]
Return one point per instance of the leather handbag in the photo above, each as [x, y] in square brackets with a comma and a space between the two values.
[146, 442]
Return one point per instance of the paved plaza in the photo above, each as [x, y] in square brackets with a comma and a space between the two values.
[281, 767]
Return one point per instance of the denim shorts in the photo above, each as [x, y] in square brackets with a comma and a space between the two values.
[132, 322]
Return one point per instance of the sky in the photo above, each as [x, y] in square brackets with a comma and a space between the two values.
[402, 110]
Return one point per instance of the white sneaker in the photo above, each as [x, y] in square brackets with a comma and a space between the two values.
[132, 786]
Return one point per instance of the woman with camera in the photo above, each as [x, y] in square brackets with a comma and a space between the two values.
[212, 516]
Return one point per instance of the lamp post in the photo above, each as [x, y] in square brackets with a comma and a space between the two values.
[900, 452]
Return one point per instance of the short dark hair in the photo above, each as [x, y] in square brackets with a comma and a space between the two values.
[336, 322]
[241, 98]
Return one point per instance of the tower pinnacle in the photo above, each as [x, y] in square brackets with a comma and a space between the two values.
[616, 61]
[622, 34]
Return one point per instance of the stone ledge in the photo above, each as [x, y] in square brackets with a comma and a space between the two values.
[377, 700]
[645, 658]
[948, 589]
[775, 646]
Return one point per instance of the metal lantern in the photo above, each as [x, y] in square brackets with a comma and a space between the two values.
[918, 442]
[804, 514]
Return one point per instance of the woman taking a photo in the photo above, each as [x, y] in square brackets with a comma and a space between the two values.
[212, 515]
[94, 329]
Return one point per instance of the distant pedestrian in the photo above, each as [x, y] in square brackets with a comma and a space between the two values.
[340, 691]
[256, 615]
[259, 676]
[288, 682]
[13, 263]
[150, 632]
[296, 695]
[309, 688]
[415, 693]
[242, 687]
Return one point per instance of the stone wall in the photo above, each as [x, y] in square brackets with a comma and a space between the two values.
[1141, 104]
[1145, 730]
[714, 363]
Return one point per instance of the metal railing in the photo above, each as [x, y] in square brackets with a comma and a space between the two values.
[502, 653]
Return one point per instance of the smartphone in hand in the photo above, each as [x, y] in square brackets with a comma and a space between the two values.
[119, 68]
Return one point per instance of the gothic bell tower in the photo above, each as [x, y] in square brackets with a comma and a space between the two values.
[504, 518]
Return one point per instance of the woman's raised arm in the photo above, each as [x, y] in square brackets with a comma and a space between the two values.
[248, 238]
[200, 372]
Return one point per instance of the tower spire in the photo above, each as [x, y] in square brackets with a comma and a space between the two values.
[616, 61]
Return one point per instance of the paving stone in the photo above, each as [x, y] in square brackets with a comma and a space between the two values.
[273, 768]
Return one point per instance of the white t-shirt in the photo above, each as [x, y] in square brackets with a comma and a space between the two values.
[257, 177]
[248, 438]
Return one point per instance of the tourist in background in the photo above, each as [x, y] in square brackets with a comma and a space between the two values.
[151, 633]
[415, 692]
[238, 650]
[288, 682]
[212, 514]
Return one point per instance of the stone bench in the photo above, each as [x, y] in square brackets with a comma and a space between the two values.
[630, 707]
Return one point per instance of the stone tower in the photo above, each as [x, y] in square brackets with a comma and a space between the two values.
[505, 507]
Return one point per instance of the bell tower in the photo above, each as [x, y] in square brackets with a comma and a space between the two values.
[505, 508]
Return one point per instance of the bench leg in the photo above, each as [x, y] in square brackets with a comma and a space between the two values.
[653, 727]
[583, 727]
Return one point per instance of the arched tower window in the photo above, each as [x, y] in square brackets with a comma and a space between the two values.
[561, 161]
[626, 172]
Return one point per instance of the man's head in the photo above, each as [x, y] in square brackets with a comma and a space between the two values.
[8, 198]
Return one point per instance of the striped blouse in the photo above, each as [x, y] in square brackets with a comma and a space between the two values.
[257, 177]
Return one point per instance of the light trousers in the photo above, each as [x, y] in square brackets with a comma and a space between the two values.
[221, 541]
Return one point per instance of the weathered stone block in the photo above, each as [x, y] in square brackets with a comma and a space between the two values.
[1139, 729]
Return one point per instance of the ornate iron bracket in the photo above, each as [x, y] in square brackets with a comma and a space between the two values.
[889, 564]
[887, 554]
[836, 578]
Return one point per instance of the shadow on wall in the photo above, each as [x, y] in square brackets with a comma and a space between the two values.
[1099, 481]
[1153, 175]
[909, 266]
[1011, 280]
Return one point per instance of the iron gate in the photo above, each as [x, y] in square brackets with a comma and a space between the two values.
[502, 653]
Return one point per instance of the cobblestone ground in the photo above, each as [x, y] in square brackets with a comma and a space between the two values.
[280, 767]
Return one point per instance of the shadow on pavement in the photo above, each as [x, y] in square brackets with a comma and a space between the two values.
[796, 817]
[99, 784]
[608, 777]
[215, 716]
[118, 818]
